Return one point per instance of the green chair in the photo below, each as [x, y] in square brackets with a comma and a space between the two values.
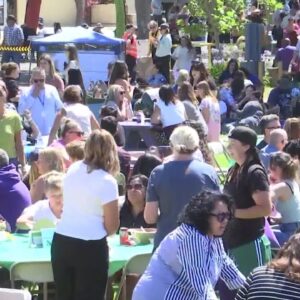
[135, 266]
[33, 272]
[221, 159]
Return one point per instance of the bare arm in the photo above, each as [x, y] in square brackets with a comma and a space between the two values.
[55, 126]
[206, 114]
[94, 122]
[19, 148]
[34, 128]
[151, 212]
[25, 221]
[111, 217]
[262, 207]
[155, 118]
[280, 191]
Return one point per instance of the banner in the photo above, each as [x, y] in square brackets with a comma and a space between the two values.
[32, 13]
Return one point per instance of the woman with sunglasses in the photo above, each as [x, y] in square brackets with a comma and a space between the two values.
[191, 259]
[132, 211]
[247, 183]
[285, 194]
[74, 109]
[116, 98]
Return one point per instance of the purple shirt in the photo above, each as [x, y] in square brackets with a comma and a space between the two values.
[14, 195]
[285, 55]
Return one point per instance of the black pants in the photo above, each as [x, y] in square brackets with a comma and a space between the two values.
[79, 267]
[163, 65]
[131, 64]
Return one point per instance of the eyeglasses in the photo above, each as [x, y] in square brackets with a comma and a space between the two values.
[221, 217]
[39, 80]
[137, 186]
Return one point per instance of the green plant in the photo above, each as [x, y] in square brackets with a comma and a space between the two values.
[267, 80]
[217, 69]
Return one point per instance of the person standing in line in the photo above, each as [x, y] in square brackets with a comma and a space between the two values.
[163, 51]
[131, 50]
[247, 183]
[13, 37]
[79, 252]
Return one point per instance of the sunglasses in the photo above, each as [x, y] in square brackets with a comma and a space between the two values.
[39, 80]
[137, 186]
[221, 217]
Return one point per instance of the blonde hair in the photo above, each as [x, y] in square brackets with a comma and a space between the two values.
[75, 150]
[183, 76]
[33, 173]
[292, 128]
[112, 92]
[203, 85]
[49, 60]
[186, 92]
[54, 158]
[100, 152]
[184, 140]
[53, 181]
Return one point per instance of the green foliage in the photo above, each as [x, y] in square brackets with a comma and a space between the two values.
[217, 69]
[267, 80]
[120, 13]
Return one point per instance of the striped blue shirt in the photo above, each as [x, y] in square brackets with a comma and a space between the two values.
[187, 265]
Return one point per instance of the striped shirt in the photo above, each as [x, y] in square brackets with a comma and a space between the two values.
[187, 265]
[264, 283]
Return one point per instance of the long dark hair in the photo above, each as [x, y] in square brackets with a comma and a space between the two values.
[119, 71]
[238, 84]
[233, 60]
[166, 94]
[199, 67]
[188, 42]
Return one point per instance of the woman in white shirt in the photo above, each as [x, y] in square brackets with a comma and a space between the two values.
[79, 250]
[210, 109]
[183, 55]
[163, 51]
[75, 110]
[168, 111]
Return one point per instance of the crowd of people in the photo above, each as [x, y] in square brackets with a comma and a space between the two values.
[214, 236]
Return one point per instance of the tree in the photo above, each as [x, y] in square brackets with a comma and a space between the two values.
[143, 14]
[220, 16]
[80, 11]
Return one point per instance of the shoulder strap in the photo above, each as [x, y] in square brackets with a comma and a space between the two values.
[289, 185]
[255, 167]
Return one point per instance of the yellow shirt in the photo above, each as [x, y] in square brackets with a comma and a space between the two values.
[10, 124]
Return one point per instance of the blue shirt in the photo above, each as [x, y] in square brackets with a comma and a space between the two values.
[187, 266]
[173, 185]
[265, 155]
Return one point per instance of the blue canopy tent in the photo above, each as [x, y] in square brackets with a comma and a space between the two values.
[82, 37]
[95, 52]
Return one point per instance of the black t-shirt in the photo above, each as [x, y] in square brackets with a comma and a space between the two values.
[243, 231]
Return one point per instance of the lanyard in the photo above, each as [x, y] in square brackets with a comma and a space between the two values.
[42, 100]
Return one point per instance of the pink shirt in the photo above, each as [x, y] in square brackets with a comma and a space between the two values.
[214, 122]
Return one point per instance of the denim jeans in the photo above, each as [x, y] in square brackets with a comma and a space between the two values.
[284, 231]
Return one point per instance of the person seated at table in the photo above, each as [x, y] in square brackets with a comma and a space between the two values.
[183, 75]
[145, 164]
[11, 74]
[157, 79]
[33, 173]
[75, 150]
[228, 73]
[49, 209]
[70, 131]
[132, 210]
[52, 77]
[279, 279]
[14, 194]
[110, 124]
[119, 75]
[286, 194]
[75, 110]
[251, 77]
[198, 73]
[178, 268]
[50, 159]
[168, 111]
[120, 134]
[116, 98]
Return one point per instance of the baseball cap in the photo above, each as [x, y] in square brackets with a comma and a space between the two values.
[244, 135]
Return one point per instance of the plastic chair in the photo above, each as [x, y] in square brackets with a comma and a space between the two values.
[12, 294]
[221, 159]
[135, 266]
[35, 272]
